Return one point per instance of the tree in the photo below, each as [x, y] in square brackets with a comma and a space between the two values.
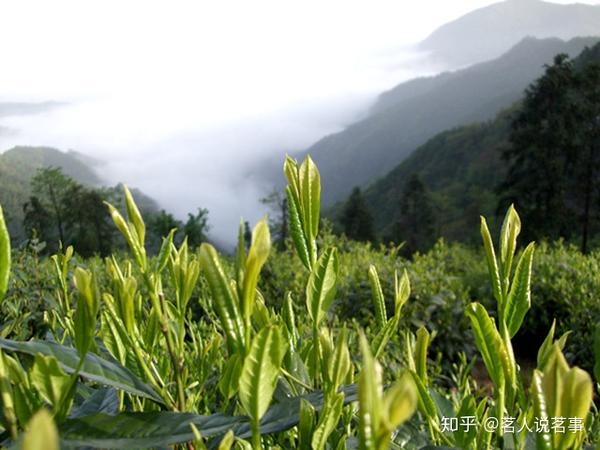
[62, 210]
[553, 158]
[88, 225]
[356, 218]
[277, 203]
[37, 220]
[588, 138]
[247, 234]
[50, 187]
[416, 224]
[161, 224]
[196, 227]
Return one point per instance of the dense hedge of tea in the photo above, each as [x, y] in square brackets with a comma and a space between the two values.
[444, 280]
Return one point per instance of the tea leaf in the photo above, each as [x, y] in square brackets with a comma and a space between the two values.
[421, 354]
[227, 441]
[103, 371]
[492, 264]
[328, 419]
[257, 256]
[383, 336]
[229, 382]
[296, 232]
[554, 374]
[400, 401]
[321, 285]
[141, 430]
[52, 383]
[426, 404]
[377, 295]
[154, 429]
[511, 227]
[105, 400]
[260, 371]
[369, 397]
[576, 401]
[546, 347]
[518, 301]
[88, 305]
[165, 251]
[40, 433]
[543, 438]
[133, 213]
[339, 363]
[4, 256]
[310, 194]
[402, 292]
[306, 425]
[225, 301]
[488, 341]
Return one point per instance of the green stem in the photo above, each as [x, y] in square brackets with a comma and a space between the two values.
[175, 361]
[10, 418]
[295, 380]
[500, 412]
[256, 434]
[316, 354]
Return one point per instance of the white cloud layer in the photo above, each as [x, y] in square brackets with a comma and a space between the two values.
[180, 97]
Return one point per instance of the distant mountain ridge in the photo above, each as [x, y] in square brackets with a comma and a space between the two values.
[461, 167]
[408, 115]
[488, 32]
[18, 166]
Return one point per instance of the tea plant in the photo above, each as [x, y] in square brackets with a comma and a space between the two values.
[183, 349]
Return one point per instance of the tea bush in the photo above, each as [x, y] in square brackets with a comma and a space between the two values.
[328, 344]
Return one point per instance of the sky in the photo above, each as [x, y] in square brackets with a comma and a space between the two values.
[180, 98]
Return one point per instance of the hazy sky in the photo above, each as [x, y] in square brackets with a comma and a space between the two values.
[180, 96]
[282, 49]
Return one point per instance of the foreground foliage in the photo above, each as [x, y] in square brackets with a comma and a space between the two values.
[185, 349]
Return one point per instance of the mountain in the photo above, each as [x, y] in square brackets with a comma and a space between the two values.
[20, 164]
[460, 167]
[488, 32]
[408, 115]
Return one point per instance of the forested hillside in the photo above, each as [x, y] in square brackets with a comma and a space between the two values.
[408, 115]
[460, 170]
[20, 164]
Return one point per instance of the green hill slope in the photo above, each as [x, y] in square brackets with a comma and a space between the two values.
[20, 164]
[408, 115]
[460, 167]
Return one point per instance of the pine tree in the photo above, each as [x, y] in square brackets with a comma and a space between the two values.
[554, 154]
[356, 218]
[416, 224]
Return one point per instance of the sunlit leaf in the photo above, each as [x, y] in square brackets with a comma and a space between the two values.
[260, 371]
[377, 296]
[109, 373]
[40, 433]
[4, 256]
[518, 301]
[224, 299]
[321, 286]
